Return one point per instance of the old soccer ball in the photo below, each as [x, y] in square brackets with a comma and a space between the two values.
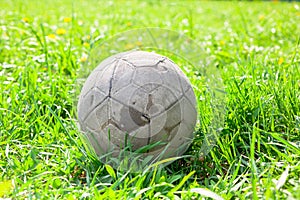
[141, 100]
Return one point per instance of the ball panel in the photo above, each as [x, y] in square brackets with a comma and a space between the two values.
[121, 115]
[171, 80]
[140, 137]
[102, 113]
[157, 125]
[184, 81]
[183, 137]
[89, 83]
[143, 59]
[123, 94]
[164, 136]
[164, 97]
[190, 96]
[119, 139]
[105, 63]
[114, 135]
[165, 126]
[182, 140]
[166, 121]
[92, 122]
[145, 76]
[87, 103]
[149, 87]
[99, 142]
[174, 114]
[138, 101]
[189, 113]
[104, 77]
[122, 76]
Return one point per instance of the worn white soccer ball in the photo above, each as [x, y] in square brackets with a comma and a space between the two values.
[141, 100]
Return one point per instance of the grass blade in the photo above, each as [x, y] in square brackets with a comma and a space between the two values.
[281, 181]
[206, 193]
[181, 183]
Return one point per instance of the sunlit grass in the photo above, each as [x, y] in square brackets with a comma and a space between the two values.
[256, 47]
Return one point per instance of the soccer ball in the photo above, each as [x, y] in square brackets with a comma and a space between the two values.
[140, 102]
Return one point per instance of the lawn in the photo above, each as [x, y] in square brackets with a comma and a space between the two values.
[254, 45]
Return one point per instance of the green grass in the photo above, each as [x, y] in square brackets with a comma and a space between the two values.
[255, 46]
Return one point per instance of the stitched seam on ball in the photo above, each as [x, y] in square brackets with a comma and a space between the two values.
[172, 104]
[94, 107]
[112, 78]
